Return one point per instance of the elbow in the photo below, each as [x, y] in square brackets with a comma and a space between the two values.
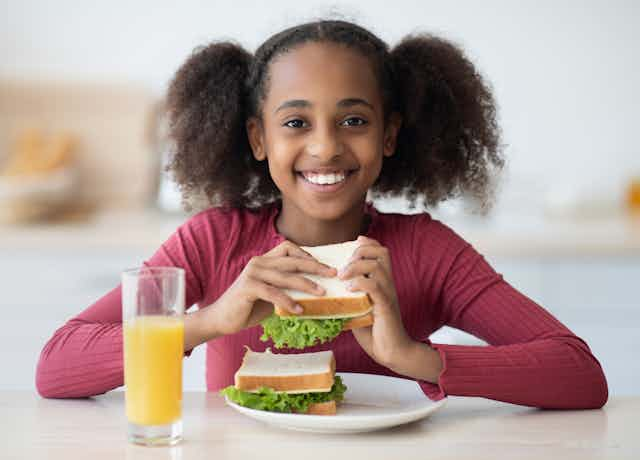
[42, 386]
[43, 389]
[68, 367]
[600, 389]
[50, 378]
[60, 387]
[55, 389]
[595, 389]
[45, 386]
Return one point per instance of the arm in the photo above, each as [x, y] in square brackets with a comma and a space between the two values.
[84, 357]
[532, 359]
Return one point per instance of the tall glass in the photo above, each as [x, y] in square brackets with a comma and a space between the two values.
[153, 331]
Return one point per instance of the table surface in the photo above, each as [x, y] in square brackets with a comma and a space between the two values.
[474, 428]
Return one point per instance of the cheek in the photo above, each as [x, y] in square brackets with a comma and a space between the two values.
[280, 158]
[370, 153]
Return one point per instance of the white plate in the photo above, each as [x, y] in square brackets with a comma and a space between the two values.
[372, 402]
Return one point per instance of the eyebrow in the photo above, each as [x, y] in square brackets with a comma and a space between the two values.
[301, 103]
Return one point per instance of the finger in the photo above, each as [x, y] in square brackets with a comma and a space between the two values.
[366, 241]
[261, 309]
[287, 281]
[287, 248]
[372, 287]
[297, 264]
[277, 297]
[369, 251]
[377, 254]
[361, 267]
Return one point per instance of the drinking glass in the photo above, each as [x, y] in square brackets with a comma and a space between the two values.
[153, 331]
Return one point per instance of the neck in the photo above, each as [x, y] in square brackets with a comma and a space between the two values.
[298, 227]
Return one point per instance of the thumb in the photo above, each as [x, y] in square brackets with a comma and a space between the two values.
[260, 311]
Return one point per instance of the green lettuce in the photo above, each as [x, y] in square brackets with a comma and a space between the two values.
[269, 400]
[300, 333]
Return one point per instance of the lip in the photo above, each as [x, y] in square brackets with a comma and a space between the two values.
[325, 188]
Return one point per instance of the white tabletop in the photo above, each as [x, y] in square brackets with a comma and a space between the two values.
[473, 428]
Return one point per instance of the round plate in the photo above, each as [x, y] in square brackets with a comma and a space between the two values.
[372, 402]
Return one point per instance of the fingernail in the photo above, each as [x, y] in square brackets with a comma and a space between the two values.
[319, 289]
[297, 308]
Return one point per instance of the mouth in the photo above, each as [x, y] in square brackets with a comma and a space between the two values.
[325, 181]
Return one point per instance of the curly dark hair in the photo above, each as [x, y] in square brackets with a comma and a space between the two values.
[448, 144]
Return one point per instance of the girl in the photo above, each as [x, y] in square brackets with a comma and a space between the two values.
[286, 144]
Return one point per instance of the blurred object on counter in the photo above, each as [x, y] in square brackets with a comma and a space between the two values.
[113, 124]
[633, 195]
[574, 200]
[33, 154]
[39, 177]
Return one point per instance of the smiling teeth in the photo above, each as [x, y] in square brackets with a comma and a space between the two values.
[324, 179]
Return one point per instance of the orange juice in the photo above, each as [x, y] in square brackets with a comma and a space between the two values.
[153, 351]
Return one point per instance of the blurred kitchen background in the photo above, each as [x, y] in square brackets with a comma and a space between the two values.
[82, 149]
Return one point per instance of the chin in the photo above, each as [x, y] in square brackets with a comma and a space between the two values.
[329, 210]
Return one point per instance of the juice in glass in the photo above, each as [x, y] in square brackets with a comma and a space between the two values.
[153, 350]
[153, 335]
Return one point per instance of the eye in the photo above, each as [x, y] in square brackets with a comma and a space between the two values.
[298, 123]
[357, 121]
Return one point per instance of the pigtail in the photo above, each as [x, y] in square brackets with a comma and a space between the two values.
[448, 144]
[207, 107]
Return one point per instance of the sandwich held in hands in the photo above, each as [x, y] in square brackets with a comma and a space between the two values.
[324, 316]
[303, 383]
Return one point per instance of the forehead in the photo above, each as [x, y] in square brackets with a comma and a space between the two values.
[321, 71]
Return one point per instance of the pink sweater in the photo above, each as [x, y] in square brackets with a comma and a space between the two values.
[532, 359]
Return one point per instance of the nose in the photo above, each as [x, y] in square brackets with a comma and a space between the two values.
[325, 143]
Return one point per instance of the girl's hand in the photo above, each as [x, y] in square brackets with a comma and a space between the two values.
[260, 285]
[369, 270]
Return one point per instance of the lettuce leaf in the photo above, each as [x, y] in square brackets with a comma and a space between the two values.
[300, 333]
[269, 400]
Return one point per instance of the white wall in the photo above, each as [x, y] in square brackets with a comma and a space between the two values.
[565, 73]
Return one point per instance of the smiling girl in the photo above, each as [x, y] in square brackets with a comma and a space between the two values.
[286, 144]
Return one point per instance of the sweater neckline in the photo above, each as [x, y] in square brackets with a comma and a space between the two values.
[276, 207]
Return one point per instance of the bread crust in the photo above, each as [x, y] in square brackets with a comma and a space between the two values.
[300, 383]
[326, 306]
[359, 321]
[325, 408]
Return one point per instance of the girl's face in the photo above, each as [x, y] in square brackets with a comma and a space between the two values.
[322, 129]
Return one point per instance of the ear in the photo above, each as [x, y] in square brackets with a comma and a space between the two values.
[256, 138]
[391, 134]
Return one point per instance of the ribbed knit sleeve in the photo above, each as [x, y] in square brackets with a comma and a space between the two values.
[532, 359]
[85, 357]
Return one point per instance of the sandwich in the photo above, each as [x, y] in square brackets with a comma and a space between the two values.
[303, 383]
[323, 317]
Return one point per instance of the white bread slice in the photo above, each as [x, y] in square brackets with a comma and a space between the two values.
[338, 301]
[290, 373]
